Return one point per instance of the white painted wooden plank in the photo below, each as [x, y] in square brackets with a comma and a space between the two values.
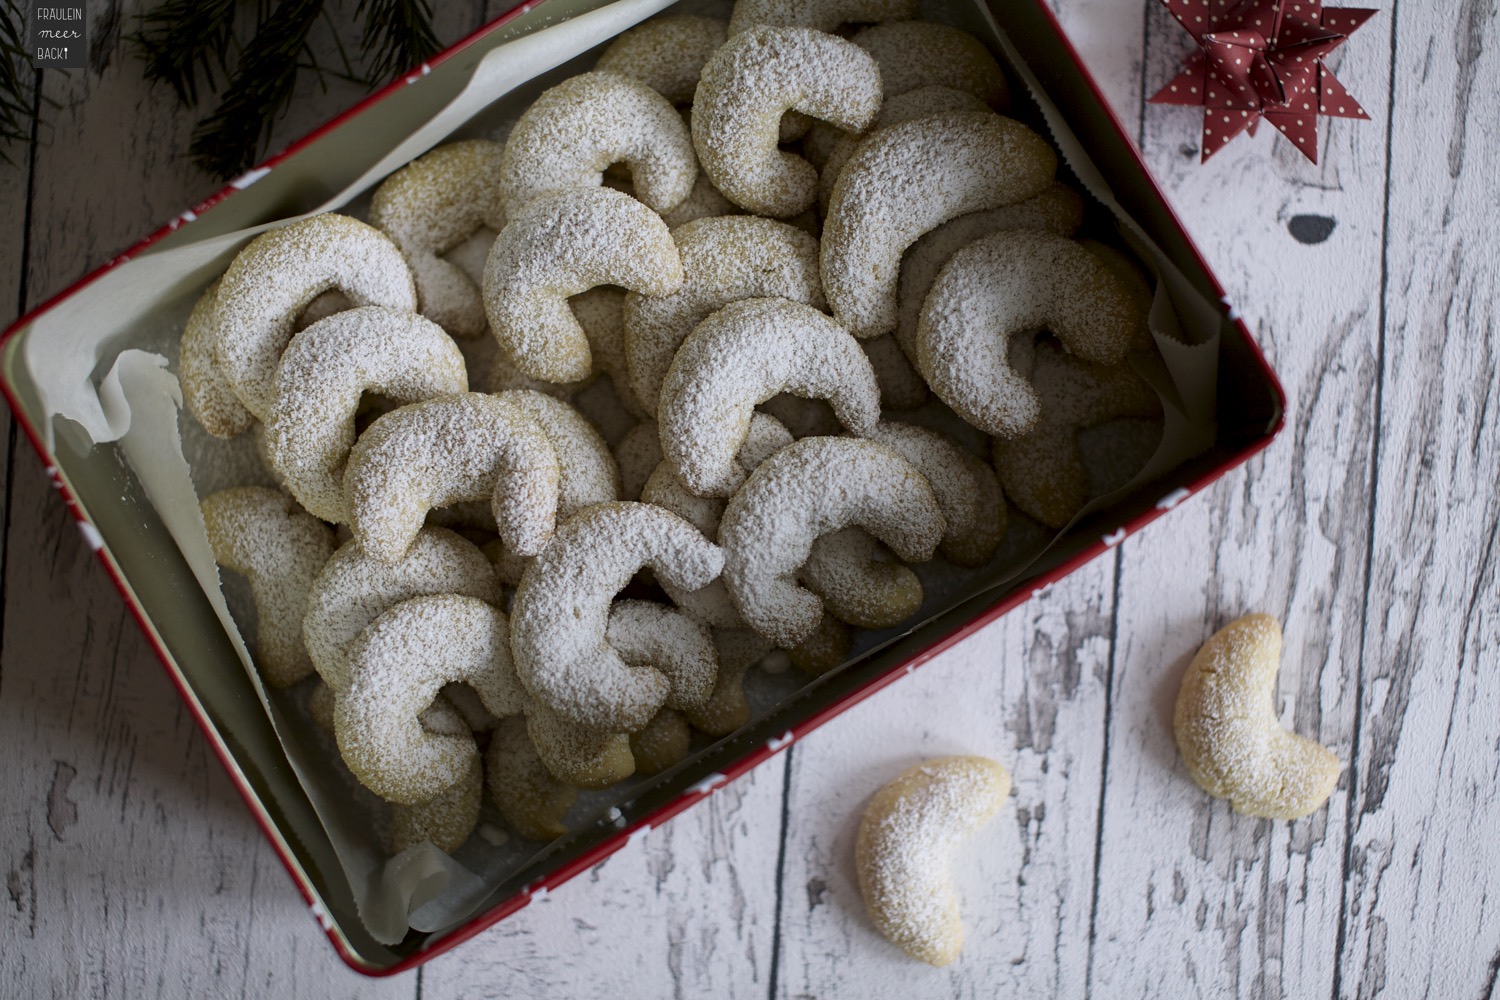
[1027, 691]
[1420, 899]
[686, 911]
[1192, 899]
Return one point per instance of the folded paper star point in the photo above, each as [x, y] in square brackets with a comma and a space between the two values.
[1263, 59]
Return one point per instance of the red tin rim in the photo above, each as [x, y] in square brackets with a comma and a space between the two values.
[613, 843]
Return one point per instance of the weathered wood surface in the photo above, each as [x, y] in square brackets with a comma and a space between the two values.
[1370, 529]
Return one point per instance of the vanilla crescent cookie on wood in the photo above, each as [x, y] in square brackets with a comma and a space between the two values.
[806, 490]
[1008, 283]
[354, 588]
[1228, 733]
[448, 450]
[905, 848]
[204, 390]
[278, 274]
[724, 259]
[397, 665]
[754, 79]
[571, 133]
[324, 373]
[666, 53]
[265, 537]
[741, 356]
[562, 606]
[430, 206]
[825, 15]
[966, 160]
[561, 244]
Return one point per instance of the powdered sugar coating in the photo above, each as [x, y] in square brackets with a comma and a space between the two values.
[711, 604]
[278, 274]
[806, 490]
[579, 127]
[447, 450]
[265, 537]
[562, 606]
[430, 206]
[825, 15]
[354, 588]
[952, 479]
[1004, 284]
[532, 800]
[911, 178]
[904, 850]
[322, 375]
[914, 54]
[859, 582]
[397, 666]
[724, 259]
[662, 638]
[898, 108]
[1043, 470]
[754, 79]
[446, 820]
[1058, 210]
[666, 53]
[205, 391]
[588, 474]
[557, 246]
[741, 356]
[1228, 733]
[582, 756]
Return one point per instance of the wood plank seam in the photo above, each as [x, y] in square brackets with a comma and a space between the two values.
[1341, 936]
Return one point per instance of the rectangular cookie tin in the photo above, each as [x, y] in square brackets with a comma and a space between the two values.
[164, 596]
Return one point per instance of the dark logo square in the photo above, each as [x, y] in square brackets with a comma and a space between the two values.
[57, 36]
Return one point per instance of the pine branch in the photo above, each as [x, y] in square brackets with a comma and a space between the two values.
[398, 36]
[17, 80]
[236, 134]
[181, 39]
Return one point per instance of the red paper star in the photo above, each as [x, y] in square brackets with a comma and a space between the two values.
[1263, 59]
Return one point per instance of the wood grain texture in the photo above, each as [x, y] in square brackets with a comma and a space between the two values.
[1419, 908]
[1369, 529]
[1190, 892]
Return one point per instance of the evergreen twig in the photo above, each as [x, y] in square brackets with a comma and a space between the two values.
[235, 135]
[17, 80]
[181, 39]
[398, 35]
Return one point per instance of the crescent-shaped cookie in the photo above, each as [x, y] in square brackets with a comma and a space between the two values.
[666, 53]
[587, 473]
[279, 548]
[557, 246]
[749, 84]
[204, 390]
[275, 277]
[530, 798]
[724, 260]
[966, 489]
[397, 666]
[430, 206]
[905, 846]
[444, 821]
[353, 588]
[1005, 284]
[968, 161]
[859, 582]
[741, 356]
[806, 490]
[1043, 470]
[914, 54]
[448, 450]
[561, 611]
[579, 127]
[326, 370]
[1058, 209]
[1228, 733]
